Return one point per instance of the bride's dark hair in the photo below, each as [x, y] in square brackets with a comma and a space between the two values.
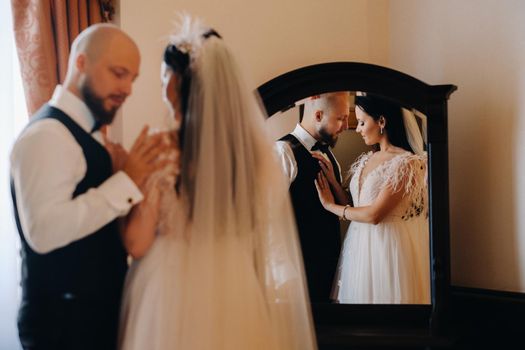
[377, 107]
[179, 61]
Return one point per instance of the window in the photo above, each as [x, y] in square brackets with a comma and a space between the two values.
[13, 117]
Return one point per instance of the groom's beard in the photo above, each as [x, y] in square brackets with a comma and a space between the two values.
[95, 104]
[330, 140]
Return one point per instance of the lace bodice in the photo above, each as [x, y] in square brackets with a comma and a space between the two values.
[406, 169]
[171, 213]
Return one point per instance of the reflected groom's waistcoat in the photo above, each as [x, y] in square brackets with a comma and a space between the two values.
[319, 230]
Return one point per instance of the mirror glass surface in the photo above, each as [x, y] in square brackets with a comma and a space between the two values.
[382, 256]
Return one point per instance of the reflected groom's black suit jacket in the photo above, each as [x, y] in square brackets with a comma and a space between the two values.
[319, 231]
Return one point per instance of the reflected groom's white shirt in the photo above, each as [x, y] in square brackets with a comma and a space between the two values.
[286, 156]
[46, 165]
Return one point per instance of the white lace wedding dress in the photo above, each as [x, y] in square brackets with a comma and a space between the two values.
[388, 262]
[225, 270]
[233, 292]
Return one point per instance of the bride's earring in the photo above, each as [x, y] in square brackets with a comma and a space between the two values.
[381, 127]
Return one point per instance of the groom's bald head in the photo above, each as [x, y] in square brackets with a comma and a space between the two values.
[98, 39]
[103, 63]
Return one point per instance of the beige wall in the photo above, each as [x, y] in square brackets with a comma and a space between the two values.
[268, 37]
[479, 46]
[475, 44]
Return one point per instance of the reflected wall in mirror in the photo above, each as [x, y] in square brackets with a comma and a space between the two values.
[364, 226]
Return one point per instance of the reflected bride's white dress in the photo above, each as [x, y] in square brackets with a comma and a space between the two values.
[388, 262]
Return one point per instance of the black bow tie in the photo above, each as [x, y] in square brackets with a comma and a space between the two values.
[323, 147]
[97, 126]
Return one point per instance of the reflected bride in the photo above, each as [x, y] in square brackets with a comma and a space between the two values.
[385, 256]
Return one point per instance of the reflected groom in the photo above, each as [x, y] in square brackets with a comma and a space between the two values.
[325, 117]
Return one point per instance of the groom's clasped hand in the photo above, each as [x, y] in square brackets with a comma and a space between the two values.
[149, 153]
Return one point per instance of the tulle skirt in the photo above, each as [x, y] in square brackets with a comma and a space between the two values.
[388, 263]
[167, 304]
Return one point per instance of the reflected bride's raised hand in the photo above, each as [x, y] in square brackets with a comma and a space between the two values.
[340, 195]
[323, 189]
[326, 167]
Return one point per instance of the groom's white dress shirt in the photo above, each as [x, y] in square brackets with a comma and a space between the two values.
[285, 153]
[46, 165]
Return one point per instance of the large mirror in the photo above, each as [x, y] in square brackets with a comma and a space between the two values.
[382, 256]
[365, 276]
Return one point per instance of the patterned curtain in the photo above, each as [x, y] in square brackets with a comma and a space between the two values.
[44, 31]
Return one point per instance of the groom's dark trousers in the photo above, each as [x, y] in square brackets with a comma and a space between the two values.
[71, 295]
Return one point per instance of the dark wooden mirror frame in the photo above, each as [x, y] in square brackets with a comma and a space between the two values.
[343, 324]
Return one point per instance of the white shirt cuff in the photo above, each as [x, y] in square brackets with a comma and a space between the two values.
[121, 192]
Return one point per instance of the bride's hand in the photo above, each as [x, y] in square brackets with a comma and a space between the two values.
[323, 190]
[326, 168]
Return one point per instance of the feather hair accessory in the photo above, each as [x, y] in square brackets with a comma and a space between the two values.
[188, 36]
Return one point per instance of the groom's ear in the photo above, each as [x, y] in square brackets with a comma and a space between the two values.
[318, 115]
[80, 62]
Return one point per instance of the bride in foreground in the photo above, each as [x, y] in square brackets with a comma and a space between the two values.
[216, 263]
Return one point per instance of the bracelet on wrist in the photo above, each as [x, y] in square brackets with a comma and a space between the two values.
[343, 216]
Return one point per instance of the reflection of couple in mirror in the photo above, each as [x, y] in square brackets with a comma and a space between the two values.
[385, 255]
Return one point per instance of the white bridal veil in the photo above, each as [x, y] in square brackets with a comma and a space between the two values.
[415, 136]
[242, 284]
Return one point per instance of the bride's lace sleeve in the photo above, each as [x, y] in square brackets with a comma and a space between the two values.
[163, 181]
[359, 162]
[356, 165]
[409, 174]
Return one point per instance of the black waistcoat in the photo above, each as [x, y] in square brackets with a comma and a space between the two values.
[319, 230]
[91, 268]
